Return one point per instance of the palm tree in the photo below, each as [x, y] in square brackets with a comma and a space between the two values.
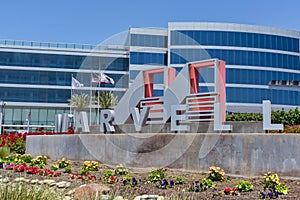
[106, 99]
[79, 102]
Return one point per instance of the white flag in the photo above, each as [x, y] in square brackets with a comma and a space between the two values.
[106, 79]
[76, 83]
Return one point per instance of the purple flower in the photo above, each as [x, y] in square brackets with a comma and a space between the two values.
[270, 195]
[10, 166]
[125, 182]
[276, 193]
[172, 183]
[134, 181]
[263, 196]
[197, 189]
[165, 182]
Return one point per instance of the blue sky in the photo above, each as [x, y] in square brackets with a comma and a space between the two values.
[93, 21]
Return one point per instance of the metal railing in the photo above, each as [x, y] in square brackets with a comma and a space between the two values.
[60, 45]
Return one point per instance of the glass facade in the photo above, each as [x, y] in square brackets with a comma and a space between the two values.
[238, 39]
[38, 116]
[148, 40]
[257, 95]
[185, 46]
[29, 78]
[237, 57]
[63, 61]
[142, 58]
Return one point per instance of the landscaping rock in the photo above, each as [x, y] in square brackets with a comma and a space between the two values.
[67, 198]
[48, 182]
[93, 190]
[63, 184]
[21, 179]
[4, 180]
[70, 193]
[149, 197]
[35, 181]
[119, 198]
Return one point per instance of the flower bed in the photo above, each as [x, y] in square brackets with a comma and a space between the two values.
[17, 141]
[169, 183]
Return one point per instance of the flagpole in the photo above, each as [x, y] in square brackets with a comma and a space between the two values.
[91, 99]
[98, 99]
[71, 93]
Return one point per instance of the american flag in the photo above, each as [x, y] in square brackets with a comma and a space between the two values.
[102, 79]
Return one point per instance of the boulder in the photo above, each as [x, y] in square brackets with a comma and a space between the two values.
[90, 191]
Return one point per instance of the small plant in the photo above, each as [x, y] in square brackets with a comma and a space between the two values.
[129, 180]
[244, 186]
[208, 183]
[271, 179]
[18, 159]
[108, 177]
[89, 166]
[112, 180]
[85, 177]
[164, 184]
[39, 161]
[270, 192]
[4, 152]
[62, 164]
[67, 169]
[198, 186]
[179, 180]
[282, 189]
[216, 174]
[273, 186]
[55, 167]
[156, 175]
[232, 191]
[121, 170]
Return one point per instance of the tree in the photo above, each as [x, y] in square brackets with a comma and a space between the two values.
[79, 102]
[106, 99]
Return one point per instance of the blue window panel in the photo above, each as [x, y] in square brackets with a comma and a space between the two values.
[133, 74]
[62, 61]
[254, 95]
[158, 78]
[240, 39]
[148, 40]
[206, 75]
[236, 57]
[244, 40]
[142, 58]
[34, 95]
[204, 89]
[178, 69]
[158, 93]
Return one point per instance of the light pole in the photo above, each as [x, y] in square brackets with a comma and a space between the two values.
[2, 116]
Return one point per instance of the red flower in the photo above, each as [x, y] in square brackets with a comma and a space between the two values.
[227, 190]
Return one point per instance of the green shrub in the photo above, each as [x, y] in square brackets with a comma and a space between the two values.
[4, 152]
[291, 117]
[156, 175]
[216, 174]
[24, 190]
[244, 186]
[208, 183]
[179, 180]
[121, 170]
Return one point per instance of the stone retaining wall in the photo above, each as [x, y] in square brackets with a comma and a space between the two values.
[241, 154]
